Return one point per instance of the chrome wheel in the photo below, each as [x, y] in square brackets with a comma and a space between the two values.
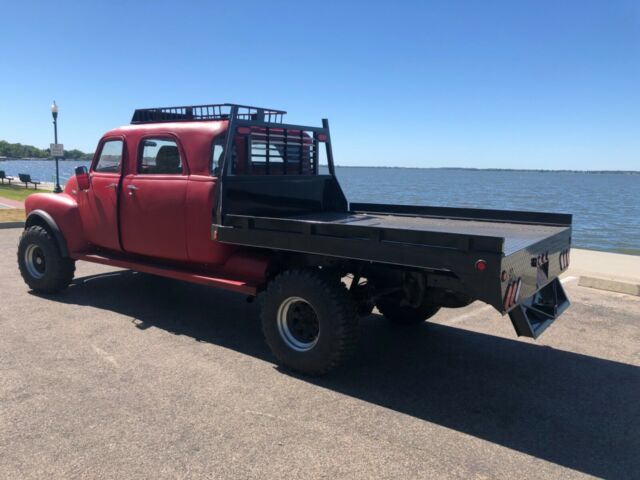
[35, 261]
[298, 324]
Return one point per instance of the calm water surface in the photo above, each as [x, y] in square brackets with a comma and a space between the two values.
[605, 207]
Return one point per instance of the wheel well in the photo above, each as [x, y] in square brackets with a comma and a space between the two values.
[441, 288]
[43, 219]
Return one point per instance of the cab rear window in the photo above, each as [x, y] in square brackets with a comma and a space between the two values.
[275, 151]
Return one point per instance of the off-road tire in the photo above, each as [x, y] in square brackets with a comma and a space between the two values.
[390, 306]
[57, 271]
[334, 310]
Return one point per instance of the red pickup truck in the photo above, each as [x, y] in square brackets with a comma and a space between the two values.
[230, 196]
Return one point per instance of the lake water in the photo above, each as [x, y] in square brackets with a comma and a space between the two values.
[43, 170]
[605, 206]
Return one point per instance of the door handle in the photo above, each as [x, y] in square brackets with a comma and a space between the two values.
[112, 185]
[132, 188]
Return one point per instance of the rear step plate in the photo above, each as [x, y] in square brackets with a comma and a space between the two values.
[532, 316]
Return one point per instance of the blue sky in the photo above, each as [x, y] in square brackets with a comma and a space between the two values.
[513, 84]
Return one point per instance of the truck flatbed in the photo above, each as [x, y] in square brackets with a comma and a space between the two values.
[516, 235]
[432, 229]
[527, 246]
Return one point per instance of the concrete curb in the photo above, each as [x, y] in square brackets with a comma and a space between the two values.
[11, 225]
[610, 285]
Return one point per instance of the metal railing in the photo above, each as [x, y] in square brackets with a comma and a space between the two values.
[222, 111]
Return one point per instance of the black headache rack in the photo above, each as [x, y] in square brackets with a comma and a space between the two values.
[271, 169]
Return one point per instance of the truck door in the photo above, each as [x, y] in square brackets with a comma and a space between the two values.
[153, 200]
[98, 205]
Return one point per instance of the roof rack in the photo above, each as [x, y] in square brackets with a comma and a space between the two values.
[221, 111]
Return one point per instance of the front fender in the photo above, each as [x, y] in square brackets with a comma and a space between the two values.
[59, 213]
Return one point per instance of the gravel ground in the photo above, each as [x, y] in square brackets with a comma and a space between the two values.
[130, 376]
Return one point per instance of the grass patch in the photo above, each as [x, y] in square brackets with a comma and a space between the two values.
[11, 215]
[16, 192]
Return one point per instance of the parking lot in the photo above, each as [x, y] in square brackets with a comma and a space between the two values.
[125, 375]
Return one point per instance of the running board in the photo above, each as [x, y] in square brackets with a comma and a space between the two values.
[531, 317]
[238, 286]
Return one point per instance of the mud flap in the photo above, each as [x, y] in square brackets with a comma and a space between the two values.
[531, 317]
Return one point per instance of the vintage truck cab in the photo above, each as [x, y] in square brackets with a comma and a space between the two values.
[230, 196]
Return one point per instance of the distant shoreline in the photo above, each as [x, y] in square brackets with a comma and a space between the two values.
[44, 159]
[471, 169]
[620, 172]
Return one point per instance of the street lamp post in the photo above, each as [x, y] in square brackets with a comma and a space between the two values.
[54, 113]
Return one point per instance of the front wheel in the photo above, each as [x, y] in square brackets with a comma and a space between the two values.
[309, 321]
[41, 265]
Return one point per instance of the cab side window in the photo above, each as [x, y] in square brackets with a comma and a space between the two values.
[159, 156]
[110, 157]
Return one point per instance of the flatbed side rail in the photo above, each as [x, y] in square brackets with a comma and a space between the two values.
[431, 250]
[456, 241]
[476, 214]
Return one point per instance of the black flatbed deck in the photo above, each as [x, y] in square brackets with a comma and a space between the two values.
[516, 235]
[425, 237]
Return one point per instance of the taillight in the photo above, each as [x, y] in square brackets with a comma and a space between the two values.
[564, 259]
[481, 265]
[507, 296]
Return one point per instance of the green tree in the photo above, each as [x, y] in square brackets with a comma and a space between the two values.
[17, 150]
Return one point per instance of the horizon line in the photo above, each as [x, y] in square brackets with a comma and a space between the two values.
[501, 169]
[494, 169]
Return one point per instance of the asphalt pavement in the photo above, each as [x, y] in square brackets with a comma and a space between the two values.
[126, 375]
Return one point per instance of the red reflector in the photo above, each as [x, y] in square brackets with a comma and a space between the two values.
[321, 137]
[564, 259]
[244, 130]
[507, 295]
[481, 265]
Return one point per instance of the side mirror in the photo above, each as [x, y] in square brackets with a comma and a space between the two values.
[82, 178]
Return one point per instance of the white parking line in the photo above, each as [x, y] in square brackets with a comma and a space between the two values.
[105, 355]
[473, 313]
